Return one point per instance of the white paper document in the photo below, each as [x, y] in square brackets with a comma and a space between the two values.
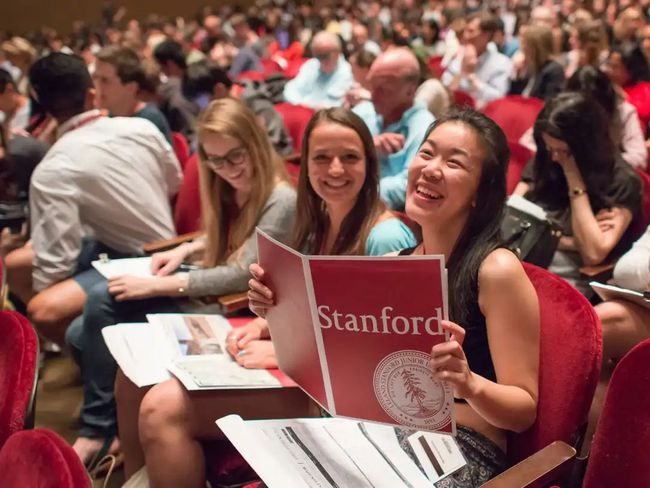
[341, 453]
[191, 347]
[520, 203]
[611, 292]
[111, 268]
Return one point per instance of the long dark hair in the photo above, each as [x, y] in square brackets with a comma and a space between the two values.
[312, 222]
[481, 233]
[596, 85]
[634, 61]
[581, 123]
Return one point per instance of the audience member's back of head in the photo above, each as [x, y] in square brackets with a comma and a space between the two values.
[170, 51]
[128, 65]
[61, 83]
[594, 84]
[202, 77]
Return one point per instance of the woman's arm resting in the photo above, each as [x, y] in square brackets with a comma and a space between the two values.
[509, 303]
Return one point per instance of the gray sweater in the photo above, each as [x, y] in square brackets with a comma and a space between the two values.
[632, 271]
[276, 220]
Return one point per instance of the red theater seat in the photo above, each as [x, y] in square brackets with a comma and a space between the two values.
[181, 148]
[519, 157]
[39, 458]
[296, 118]
[619, 452]
[514, 114]
[187, 212]
[18, 368]
[569, 367]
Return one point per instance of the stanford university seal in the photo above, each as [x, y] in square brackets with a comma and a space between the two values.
[407, 391]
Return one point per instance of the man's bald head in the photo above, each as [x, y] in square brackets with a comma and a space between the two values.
[394, 78]
[400, 61]
[326, 40]
[359, 35]
[326, 47]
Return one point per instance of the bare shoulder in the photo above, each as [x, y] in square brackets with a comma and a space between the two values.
[501, 267]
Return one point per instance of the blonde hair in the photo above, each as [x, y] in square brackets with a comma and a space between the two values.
[539, 40]
[227, 227]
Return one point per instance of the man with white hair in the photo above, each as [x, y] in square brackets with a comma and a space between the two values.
[396, 121]
[324, 80]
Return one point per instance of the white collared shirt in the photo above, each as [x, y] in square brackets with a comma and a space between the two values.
[111, 178]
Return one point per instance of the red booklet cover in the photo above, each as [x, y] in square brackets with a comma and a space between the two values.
[356, 332]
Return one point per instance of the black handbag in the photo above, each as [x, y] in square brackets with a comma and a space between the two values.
[534, 240]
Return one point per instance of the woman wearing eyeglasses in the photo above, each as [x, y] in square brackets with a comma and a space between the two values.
[243, 186]
[580, 179]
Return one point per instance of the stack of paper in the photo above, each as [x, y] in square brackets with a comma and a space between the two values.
[191, 347]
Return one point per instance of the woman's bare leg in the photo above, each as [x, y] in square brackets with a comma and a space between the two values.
[128, 398]
[173, 421]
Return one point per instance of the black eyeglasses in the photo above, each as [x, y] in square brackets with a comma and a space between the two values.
[235, 157]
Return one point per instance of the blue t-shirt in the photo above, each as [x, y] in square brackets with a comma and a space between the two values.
[387, 236]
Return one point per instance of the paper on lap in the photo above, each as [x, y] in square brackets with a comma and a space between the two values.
[111, 268]
[611, 292]
[340, 452]
[192, 347]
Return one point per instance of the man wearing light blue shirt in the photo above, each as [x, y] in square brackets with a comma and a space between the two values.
[395, 120]
[479, 68]
[324, 80]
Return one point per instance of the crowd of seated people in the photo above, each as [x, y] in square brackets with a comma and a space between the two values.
[100, 129]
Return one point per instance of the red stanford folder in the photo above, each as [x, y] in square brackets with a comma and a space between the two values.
[355, 333]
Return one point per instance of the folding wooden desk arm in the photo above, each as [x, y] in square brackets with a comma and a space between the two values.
[543, 468]
[168, 244]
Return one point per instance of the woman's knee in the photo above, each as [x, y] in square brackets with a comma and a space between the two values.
[165, 406]
[613, 316]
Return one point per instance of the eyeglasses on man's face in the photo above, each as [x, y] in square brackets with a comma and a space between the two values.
[234, 157]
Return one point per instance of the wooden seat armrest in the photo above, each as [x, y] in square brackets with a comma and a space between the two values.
[166, 244]
[233, 302]
[543, 467]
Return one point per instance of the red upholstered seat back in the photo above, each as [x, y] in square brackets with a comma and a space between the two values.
[18, 362]
[569, 364]
[187, 212]
[519, 157]
[620, 450]
[293, 66]
[270, 67]
[463, 99]
[181, 148]
[514, 114]
[39, 458]
[434, 64]
[295, 118]
[3, 283]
